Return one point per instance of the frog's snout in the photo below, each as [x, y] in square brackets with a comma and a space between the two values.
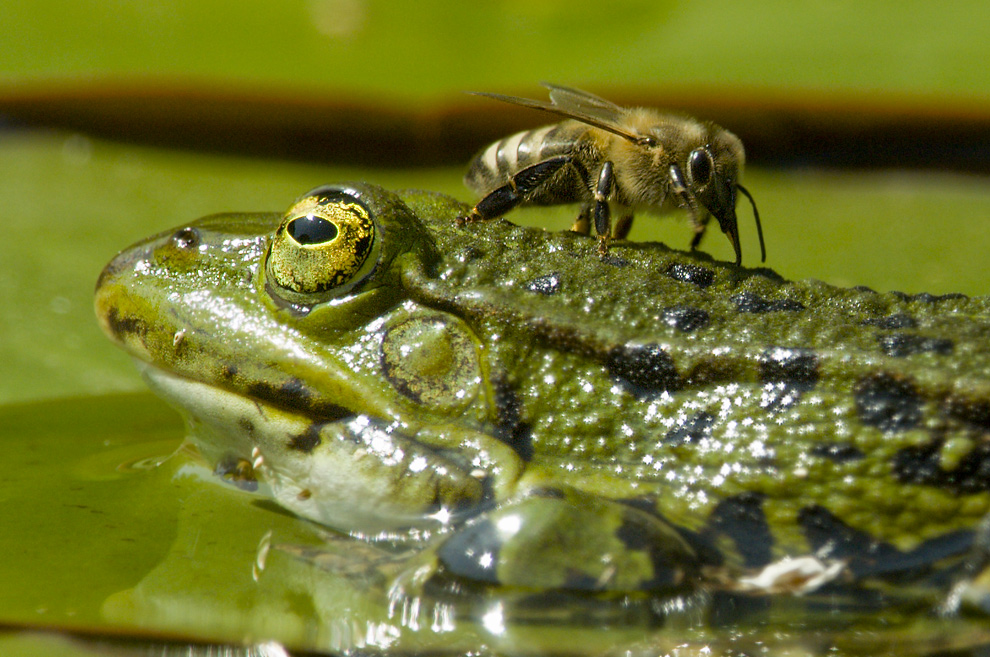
[112, 299]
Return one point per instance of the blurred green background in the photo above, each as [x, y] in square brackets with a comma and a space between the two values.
[101, 101]
[867, 128]
[425, 50]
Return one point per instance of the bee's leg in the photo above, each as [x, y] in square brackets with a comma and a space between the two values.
[511, 194]
[700, 224]
[603, 214]
[622, 226]
[699, 220]
[582, 224]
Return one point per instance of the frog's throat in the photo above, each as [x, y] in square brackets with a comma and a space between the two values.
[352, 474]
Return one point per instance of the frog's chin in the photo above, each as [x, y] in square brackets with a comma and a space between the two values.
[353, 474]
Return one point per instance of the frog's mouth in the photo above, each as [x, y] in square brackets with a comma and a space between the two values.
[355, 474]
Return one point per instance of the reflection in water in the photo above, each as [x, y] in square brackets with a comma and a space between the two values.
[70, 644]
[493, 620]
[220, 571]
[264, 545]
[239, 568]
[125, 460]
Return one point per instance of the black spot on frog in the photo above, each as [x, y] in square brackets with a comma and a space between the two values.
[742, 519]
[926, 297]
[747, 302]
[468, 254]
[122, 326]
[685, 318]
[308, 440]
[787, 373]
[921, 464]
[831, 538]
[868, 556]
[895, 321]
[837, 452]
[614, 260]
[546, 285]
[974, 412]
[671, 569]
[510, 428]
[900, 345]
[695, 428]
[693, 274]
[646, 368]
[887, 401]
[295, 395]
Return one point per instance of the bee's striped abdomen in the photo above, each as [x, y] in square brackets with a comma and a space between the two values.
[495, 166]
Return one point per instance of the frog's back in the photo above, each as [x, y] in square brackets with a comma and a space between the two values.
[706, 390]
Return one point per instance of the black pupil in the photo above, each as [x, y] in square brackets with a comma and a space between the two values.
[701, 167]
[311, 230]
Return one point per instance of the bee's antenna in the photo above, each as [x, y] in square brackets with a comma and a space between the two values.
[756, 214]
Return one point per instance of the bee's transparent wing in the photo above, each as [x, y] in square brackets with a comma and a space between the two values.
[575, 104]
[584, 103]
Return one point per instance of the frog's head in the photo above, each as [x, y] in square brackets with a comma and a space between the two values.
[336, 255]
[292, 336]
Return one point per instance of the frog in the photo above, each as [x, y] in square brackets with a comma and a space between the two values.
[527, 415]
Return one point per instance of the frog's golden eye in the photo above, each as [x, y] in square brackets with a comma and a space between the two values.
[325, 245]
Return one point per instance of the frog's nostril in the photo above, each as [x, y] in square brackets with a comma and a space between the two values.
[186, 238]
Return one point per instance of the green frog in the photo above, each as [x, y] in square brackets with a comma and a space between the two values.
[527, 414]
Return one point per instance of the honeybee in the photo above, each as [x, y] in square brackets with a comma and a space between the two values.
[613, 159]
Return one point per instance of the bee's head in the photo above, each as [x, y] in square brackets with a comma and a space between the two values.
[709, 176]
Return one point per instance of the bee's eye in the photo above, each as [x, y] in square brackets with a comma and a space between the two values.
[700, 167]
[324, 246]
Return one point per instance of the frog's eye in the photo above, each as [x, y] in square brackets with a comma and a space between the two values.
[700, 167]
[323, 247]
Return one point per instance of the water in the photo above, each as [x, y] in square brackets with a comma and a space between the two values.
[114, 539]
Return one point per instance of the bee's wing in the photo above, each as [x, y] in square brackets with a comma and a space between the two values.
[578, 105]
[584, 103]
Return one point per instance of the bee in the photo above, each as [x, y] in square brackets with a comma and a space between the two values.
[613, 159]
